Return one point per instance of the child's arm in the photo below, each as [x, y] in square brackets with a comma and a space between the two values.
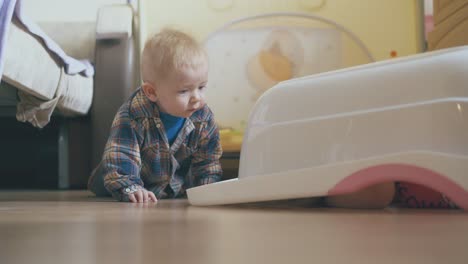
[121, 161]
[206, 167]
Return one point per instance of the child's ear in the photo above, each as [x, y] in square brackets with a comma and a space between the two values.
[150, 91]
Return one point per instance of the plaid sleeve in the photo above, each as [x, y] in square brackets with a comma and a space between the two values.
[206, 167]
[121, 159]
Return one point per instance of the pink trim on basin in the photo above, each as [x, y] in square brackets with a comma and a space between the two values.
[402, 172]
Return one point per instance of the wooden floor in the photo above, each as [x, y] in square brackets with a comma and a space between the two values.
[74, 227]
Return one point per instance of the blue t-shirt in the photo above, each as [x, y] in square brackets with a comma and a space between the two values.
[172, 125]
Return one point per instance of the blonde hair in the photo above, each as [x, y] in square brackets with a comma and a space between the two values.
[168, 52]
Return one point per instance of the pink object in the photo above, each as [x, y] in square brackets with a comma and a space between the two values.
[428, 24]
[418, 196]
[412, 176]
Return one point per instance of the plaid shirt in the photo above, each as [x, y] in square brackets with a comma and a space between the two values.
[138, 153]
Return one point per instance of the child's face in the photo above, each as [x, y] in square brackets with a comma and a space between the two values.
[183, 93]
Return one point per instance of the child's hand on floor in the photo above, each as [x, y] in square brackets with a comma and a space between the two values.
[142, 196]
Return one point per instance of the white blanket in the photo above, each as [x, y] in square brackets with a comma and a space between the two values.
[10, 8]
[44, 75]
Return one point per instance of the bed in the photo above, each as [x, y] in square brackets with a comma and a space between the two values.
[75, 109]
[72, 94]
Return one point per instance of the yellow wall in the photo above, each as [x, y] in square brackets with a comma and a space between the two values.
[383, 25]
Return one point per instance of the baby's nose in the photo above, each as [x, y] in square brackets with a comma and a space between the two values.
[197, 96]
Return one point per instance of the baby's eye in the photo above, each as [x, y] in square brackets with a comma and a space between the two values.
[183, 91]
[202, 87]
